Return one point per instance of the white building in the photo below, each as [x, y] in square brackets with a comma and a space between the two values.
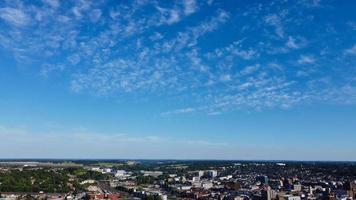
[107, 170]
[212, 173]
[200, 173]
[195, 178]
[152, 173]
[225, 177]
[290, 197]
[120, 173]
[89, 181]
[207, 185]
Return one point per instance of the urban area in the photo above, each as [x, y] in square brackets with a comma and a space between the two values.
[169, 179]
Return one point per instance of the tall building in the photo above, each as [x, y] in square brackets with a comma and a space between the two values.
[200, 173]
[262, 179]
[351, 190]
[310, 190]
[212, 173]
[268, 194]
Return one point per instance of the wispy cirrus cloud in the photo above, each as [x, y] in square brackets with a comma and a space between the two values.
[249, 69]
[175, 49]
[351, 51]
[168, 16]
[52, 3]
[275, 21]
[190, 6]
[129, 74]
[180, 111]
[306, 59]
[14, 16]
[88, 144]
[295, 42]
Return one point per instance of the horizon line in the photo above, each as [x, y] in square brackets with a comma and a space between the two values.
[164, 159]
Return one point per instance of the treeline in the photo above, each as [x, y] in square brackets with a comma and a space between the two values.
[82, 174]
[34, 181]
[47, 180]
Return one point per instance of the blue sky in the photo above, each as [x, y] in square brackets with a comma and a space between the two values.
[178, 79]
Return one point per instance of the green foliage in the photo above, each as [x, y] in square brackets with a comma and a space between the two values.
[47, 180]
[143, 180]
[153, 197]
[33, 181]
[83, 174]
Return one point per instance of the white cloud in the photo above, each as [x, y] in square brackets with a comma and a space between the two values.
[189, 38]
[173, 17]
[52, 3]
[156, 36]
[225, 77]
[179, 111]
[311, 3]
[95, 15]
[133, 52]
[168, 16]
[352, 25]
[74, 59]
[47, 68]
[249, 69]
[245, 54]
[210, 2]
[203, 142]
[351, 51]
[80, 8]
[14, 16]
[235, 49]
[306, 59]
[190, 6]
[296, 42]
[82, 143]
[291, 43]
[275, 65]
[275, 21]
[301, 73]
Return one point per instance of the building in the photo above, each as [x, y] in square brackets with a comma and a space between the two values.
[110, 196]
[225, 177]
[297, 187]
[289, 197]
[89, 181]
[152, 173]
[107, 170]
[207, 185]
[232, 185]
[212, 173]
[268, 194]
[195, 179]
[262, 179]
[200, 173]
[120, 173]
[351, 190]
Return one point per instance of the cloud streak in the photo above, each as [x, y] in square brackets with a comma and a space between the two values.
[14, 16]
[84, 144]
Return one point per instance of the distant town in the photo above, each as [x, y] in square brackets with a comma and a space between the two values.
[176, 179]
